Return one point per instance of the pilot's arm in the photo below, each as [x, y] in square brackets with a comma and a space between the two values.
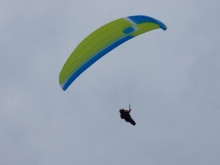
[128, 111]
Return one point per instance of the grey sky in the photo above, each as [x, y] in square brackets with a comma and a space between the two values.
[176, 95]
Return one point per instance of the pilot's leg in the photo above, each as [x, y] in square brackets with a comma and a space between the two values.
[132, 122]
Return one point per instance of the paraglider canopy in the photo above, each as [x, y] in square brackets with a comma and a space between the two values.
[102, 41]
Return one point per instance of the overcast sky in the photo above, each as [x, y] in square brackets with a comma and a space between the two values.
[171, 79]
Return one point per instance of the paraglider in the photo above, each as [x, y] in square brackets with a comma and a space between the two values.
[125, 114]
[102, 41]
